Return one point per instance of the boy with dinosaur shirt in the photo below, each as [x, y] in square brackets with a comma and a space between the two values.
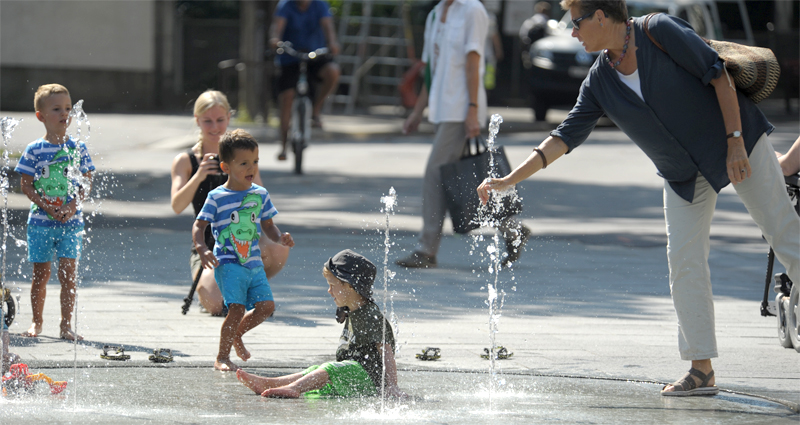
[237, 211]
[56, 175]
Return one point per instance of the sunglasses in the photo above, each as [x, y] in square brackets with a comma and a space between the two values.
[577, 21]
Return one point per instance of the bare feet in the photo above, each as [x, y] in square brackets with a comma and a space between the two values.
[281, 392]
[69, 335]
[242, 352]
[258, 384]
[33, 331]
[225, 365]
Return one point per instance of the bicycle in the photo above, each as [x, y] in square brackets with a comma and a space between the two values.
[300, 129]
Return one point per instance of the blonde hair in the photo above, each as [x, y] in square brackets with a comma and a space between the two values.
[210, 99]
[45, 91]
[207, 100]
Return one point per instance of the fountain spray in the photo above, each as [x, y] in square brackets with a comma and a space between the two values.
[7, 125]
[74, 174]
[488, 214]
[389, 202]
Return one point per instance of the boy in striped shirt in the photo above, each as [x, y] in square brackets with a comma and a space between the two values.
[237, 212]
[56, 175]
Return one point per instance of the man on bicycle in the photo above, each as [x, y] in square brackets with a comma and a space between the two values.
[308, 25]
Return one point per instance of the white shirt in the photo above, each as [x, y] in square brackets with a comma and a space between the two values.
[633, 82]
[464, 32]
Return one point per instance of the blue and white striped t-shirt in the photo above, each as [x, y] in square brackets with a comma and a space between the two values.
[235, 218]
[54, 169]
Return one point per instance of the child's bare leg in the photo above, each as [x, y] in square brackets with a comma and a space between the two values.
[260, 383]
[251, 319]
[41, 275]
[226, 337]
[66, 275]
[313, 381]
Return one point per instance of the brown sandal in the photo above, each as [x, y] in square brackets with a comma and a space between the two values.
[687, 386]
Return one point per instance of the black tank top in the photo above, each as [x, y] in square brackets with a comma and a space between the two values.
[210, 183]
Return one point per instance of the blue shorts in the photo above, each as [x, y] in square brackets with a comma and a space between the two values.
[241, 285]
[47, 243]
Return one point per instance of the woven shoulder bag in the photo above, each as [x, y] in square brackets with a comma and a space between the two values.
[755, 70]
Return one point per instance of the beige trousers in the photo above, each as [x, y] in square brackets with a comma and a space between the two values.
[688, 228]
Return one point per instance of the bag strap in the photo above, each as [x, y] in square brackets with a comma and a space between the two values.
[478, 142]
[647, 31]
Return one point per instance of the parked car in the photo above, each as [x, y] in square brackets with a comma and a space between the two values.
[558, 62]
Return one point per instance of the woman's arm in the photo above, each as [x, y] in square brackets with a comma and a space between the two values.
[737, 163]
[185, 185]
[473, 66]
[552, 148]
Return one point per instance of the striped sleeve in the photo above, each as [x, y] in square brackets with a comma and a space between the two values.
[86, 160]
[209, 210]
[27, 162]
[268, 210]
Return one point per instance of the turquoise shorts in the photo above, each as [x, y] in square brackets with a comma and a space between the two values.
[348, 379]
[48, 243]
[241, 285]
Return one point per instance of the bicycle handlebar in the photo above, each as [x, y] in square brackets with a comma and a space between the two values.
[285, 47]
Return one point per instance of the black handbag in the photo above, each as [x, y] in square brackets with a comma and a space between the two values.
[461, 179]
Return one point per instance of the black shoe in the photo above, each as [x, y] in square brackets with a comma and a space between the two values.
[515, 243]
[417, 260]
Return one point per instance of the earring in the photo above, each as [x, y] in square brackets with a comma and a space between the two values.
[601, 24]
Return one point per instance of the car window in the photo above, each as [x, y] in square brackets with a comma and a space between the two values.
[731, 20]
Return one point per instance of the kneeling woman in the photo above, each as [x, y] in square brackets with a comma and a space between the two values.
[195, 173]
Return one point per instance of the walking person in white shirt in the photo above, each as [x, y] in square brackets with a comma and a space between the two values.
[455, 36]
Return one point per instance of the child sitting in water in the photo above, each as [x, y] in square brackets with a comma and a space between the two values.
[363, 350]
[237, 211]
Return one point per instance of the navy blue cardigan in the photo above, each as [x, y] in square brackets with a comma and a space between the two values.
[679, 125]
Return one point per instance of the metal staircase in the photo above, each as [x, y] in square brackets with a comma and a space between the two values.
[374, 55]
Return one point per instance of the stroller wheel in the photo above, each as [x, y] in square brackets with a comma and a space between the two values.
[9, 307]
[781, 303]
[792, 319]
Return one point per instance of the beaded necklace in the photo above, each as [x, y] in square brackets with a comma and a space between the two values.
[624, 48]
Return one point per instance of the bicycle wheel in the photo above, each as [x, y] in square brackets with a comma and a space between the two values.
[298, 144]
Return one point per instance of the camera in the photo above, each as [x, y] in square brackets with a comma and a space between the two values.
[216, 158]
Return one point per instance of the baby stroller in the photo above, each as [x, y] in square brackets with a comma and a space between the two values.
[787, 300]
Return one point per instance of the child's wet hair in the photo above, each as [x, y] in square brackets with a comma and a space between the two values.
[234, 140]
[45, 91]
[209, 99]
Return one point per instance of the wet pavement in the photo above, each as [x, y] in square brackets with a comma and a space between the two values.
[194, 395]
[586, 309]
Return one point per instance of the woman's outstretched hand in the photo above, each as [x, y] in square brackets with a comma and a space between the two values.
[491, 183]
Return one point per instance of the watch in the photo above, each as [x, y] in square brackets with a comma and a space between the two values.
[735, 134]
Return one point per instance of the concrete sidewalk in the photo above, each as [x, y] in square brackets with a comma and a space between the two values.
[589, 297]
